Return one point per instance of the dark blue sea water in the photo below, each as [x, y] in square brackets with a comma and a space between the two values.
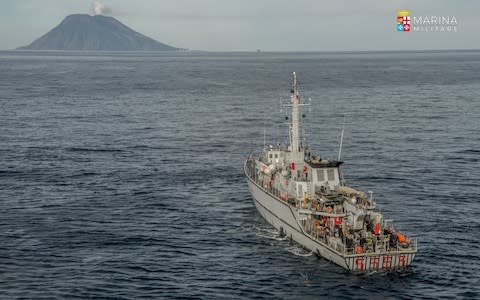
[121, 174]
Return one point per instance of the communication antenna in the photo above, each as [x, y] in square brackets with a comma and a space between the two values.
[341, 140]
[250, 150]
[264, 138]
[278, 135]
[305, 139]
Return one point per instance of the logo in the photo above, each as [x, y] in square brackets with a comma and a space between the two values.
[406, 22]
[403, 21]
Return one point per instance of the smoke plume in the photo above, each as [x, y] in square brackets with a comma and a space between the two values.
[101, 9]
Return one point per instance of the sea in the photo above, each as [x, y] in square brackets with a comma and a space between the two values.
[121, 173]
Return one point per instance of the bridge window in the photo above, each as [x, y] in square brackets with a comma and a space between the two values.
[320, 175]
[330, 174]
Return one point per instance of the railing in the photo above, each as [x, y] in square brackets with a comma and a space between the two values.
[250, 169]
[373, 244]
[324, 234]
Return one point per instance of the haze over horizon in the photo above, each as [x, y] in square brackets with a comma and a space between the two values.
[247, 25]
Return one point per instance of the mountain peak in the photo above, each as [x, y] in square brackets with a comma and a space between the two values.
[97, 32]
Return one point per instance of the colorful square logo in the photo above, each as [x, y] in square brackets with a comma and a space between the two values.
[403, 20]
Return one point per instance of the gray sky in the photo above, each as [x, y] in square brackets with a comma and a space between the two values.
[247, 25]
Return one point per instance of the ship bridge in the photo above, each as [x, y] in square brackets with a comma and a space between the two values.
[325, 173]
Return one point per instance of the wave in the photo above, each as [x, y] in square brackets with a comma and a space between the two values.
[276, 238]
[269, 233]
[80, 149]
[295, 250]
[468, 151]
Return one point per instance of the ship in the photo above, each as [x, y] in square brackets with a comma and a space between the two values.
[306, 198]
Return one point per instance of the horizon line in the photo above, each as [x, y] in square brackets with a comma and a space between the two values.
[183, 50]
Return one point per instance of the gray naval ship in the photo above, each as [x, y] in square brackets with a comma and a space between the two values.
[306, 199]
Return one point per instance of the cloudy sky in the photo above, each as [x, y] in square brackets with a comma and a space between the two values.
[247, 25]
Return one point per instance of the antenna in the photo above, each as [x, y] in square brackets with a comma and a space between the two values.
[278, 135]
[250, 150]
[264, 138]
[341, 140]
[305, 140]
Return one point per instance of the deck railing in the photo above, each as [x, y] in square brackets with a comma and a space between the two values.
[379, 244]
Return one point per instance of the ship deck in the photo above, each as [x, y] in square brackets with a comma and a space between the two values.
[377, 253]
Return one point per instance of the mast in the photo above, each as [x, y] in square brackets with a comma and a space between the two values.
[297, 153]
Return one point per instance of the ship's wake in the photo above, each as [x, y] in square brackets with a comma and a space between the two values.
[276, 238]
[271, 234]
[295, 250]
[274, 234]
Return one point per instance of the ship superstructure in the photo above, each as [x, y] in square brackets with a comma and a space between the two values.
[305, 198]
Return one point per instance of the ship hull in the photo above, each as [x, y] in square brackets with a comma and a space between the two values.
[284, 218]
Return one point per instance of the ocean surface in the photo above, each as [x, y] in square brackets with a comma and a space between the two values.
[121, 173]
